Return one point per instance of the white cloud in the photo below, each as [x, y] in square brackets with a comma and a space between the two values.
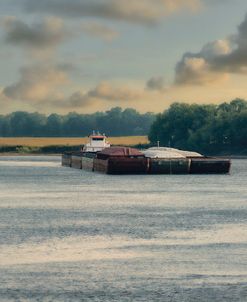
[215, 61]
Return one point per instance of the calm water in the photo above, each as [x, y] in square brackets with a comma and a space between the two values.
[70, 235]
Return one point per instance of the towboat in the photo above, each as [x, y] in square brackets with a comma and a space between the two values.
[97, 142]
[83, 159]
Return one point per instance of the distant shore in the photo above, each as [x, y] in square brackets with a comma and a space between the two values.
[67, 141]
[38, 146]
[59, 145]
[4, 154]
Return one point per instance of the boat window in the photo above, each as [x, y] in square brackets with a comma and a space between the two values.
[97, 139]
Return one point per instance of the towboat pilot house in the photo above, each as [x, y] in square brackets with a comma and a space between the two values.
[97, 142]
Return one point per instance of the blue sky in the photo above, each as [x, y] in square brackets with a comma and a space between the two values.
[88, 55]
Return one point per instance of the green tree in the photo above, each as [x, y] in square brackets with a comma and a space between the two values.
[208, 129]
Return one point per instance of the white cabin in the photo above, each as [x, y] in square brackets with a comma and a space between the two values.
[97, 142]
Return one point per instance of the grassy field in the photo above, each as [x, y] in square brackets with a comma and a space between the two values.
[67, 141]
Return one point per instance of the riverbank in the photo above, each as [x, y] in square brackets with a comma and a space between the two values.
[20, 150]
[57, 146]
[67, 141]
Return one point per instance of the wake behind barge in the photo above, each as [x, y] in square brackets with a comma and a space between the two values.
[99, 156]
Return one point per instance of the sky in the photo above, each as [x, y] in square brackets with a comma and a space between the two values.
[92, 55]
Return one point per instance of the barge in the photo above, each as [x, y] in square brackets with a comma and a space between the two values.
[76, 160]
[99, 156]
[166, 161]
[121, 160]
[67, 159]
[210, 165]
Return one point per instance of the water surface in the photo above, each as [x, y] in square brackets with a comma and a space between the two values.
[71, 235]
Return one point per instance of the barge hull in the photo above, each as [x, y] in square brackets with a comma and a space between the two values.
[87, 163]
[169, 166]
[144, 165]
[76, 162]
[66, 160]
[121, 165]
[210, 166]
[126, 165]
[100, 165]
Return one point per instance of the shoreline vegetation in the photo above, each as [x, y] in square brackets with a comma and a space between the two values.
[208, 129]
[42, 146]
[58, 145]
[115, 122]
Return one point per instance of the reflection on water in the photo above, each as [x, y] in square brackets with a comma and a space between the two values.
[71, 235]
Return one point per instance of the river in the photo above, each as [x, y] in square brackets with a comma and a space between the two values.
[72, 235]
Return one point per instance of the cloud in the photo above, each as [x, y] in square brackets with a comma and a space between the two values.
[45, 34]
[156, 83]
[195, 71]
[103, 93]
[43, 86]
[3, 98]
[215, 61]
[37, 83]
[99, 30]
[135, 11]
[78, 99]
[107, 92]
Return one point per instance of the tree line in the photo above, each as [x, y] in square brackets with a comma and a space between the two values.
[209, 129]
[115, 122]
